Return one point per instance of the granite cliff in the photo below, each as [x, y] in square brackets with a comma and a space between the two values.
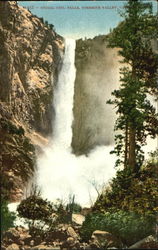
[97, 76]
[30, 59]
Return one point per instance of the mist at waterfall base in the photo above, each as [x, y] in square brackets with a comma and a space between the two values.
[59, 172]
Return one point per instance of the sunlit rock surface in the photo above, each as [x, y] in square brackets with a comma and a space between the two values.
[30, 58]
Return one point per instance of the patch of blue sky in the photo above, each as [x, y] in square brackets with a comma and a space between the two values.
[79, 19]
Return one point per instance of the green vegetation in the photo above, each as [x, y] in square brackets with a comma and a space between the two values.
[75, 207]
[45, 22]
[11, 128]
[132, 192]
[85, 50]
[51, 26]
[43, 216]
[35, 208]
[137, 117]
[128, 207]
[129, 227]
[7, 217]
[28, 146]
[37, 213]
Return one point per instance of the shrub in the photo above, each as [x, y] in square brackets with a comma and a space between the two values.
[64, 216]
[41, 215]
[132, 192]
[129, 227]
[7, 217]
[37, 213]
[75, 207]
[11, 128]
[35, 208]
[27, 145]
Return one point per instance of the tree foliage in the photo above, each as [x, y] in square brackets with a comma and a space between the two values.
[137, 117]
[7, 217]
[129, 191]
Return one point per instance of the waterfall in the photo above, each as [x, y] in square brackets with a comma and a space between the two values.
[59, 172]
[63, 99]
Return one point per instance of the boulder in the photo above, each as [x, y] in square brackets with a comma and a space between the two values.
[94, 245]
[17, 235]
[57, 235]
[32, 243]
[71, 232]
[147, 243]
[78, 219]
[102, 234]
[104, 239]
[70, 243]
[25, 236]
[37, 240]
[44, 247]
[13, 247]
[12, 234]
[26, 247]
[62, 233]
[3, 247]
[27, 240]
[78, 245]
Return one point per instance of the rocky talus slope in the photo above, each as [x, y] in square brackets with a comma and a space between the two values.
[30, 59]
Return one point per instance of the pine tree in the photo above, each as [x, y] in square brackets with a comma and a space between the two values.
[137, 117]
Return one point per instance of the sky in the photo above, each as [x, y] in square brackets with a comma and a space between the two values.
[79, 19]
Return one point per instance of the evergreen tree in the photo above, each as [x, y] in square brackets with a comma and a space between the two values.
[46, 23]
[51, 26]
[137, 117]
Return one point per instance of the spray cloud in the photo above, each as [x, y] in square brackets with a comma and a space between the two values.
[60, 172]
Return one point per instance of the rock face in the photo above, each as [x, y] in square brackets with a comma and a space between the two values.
[30, 59]
[97, 76]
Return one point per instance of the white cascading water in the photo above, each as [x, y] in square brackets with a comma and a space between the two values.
[63, 100]
[61, 173]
